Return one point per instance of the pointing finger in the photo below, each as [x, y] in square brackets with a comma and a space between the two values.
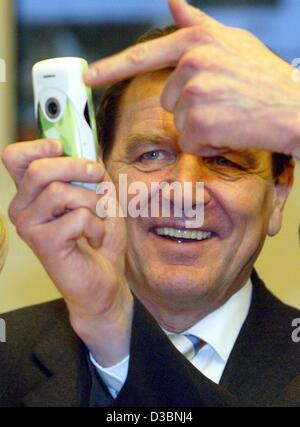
[152, 55]
[186, 15]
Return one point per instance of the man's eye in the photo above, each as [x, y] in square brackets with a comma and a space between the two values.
[155, 159]
[153, 155]
[223, 161]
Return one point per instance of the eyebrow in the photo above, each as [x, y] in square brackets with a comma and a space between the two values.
[139, 140]
[250, 157]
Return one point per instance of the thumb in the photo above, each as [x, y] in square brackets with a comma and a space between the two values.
[186, 15]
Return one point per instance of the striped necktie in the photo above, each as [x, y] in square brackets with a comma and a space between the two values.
[187, 344]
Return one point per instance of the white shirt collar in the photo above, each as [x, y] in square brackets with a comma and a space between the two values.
[220, 328]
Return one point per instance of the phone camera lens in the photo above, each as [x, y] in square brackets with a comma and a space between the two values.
[52, 108]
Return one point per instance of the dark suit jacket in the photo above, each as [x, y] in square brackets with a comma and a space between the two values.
[43, 363]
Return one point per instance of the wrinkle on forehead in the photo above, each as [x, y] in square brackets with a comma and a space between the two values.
[141, 106]
[140, 109]
[144, 91]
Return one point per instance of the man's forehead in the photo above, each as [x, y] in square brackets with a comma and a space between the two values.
[140, 108]
[144, 90]
[140, 104]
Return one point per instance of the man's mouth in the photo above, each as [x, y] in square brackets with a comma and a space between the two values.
[182, 235]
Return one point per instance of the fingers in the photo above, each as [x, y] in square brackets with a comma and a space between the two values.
[197, 27]
[114, 248]
[296, 153]
[207, 132]
[64, 232]
[57, 199]
[73, 225]
[190, 64]
[144, 57]
[186, 15]
[40, 173]
[202, 63]
[197, 130]
[203, 97]
[83, 223]
[17, 157]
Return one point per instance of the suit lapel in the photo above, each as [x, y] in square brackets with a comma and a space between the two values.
[262, 361]
[63, 371]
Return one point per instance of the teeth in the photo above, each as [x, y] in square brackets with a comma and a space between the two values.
[177, 233]
[185, 234]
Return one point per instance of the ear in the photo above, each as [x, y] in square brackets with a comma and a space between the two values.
[283, 186]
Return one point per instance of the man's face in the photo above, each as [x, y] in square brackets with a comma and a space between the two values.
[242, 206]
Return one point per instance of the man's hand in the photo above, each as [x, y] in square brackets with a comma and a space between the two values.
[83, 254]
[228, 90]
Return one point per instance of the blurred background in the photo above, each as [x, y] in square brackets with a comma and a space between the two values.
[31, 30]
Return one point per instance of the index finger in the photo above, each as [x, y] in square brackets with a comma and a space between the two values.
[159, 53]
[17, 157]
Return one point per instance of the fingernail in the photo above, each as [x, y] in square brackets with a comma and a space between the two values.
[296, 153]
[94, 170]
[55, 147]
[91, 74]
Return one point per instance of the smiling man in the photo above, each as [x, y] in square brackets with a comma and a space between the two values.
[200, 282]
[183, 279]
[160, 313]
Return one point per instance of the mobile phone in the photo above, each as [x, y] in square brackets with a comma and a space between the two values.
[64, 108]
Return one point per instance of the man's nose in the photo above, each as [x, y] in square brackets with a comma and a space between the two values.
[190, 169]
